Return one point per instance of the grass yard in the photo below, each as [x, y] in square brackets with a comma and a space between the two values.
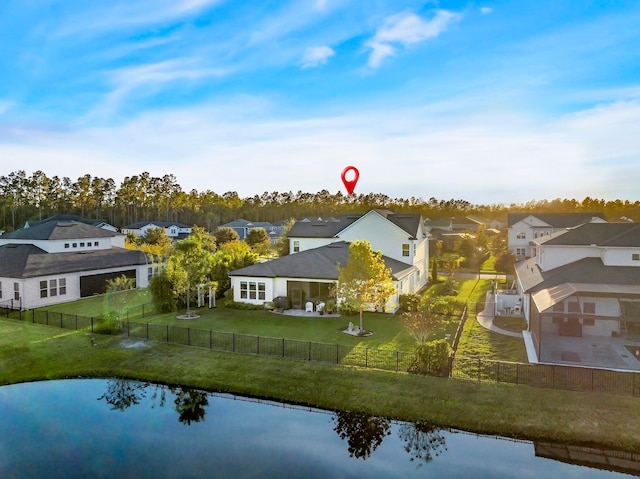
[31, 352]
[95, 306]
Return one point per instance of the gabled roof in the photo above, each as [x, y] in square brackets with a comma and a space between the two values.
[78, 218]
[600, 234]
[163, 224]
[59, 230]
[410, 223]
[584, 271]
[556, 220]
[316, 263]
[28, 261]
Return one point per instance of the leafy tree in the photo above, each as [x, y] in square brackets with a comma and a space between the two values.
[505, 262]
[116, 292]
[156, 242]
[207, 240]
[430, 316]
[225, 235]
[162, 293]
[190, 263]
[451, 264]
[229, 257]
[259, 240]
[365, 281]
[282, 245]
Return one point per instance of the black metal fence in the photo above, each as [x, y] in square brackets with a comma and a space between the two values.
[475, 369]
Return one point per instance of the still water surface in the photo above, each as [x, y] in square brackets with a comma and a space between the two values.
[118, 428]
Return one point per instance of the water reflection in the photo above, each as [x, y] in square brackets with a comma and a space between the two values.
[364, 433]
[133, 429]
[189, 403]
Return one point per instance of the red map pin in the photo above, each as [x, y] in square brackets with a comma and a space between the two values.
[350, 184]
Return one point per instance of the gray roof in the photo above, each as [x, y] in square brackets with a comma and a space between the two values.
[600, 234]
[59, 230]
[78, 218]
[584, 271]
[317, 263]
[408, 222]
[28, 261]
[556, 220]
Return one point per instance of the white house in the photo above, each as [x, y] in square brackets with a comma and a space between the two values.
[524, 228]
[59, 261]
[584, 281]
[173, 230]
[316, 247]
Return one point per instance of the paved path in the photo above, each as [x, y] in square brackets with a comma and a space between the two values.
[485, 318]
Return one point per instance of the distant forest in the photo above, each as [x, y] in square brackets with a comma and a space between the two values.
[144, 197]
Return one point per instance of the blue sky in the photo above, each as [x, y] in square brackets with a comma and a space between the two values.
[492, 102]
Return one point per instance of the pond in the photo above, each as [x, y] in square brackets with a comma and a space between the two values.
[120, 428]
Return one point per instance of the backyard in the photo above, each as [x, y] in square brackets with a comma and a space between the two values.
[389, 332]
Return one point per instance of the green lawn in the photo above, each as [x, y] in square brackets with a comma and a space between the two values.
[31, 352]
[95, 306]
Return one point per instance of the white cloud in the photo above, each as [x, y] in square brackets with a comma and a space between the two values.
[406, 29]
[477, 155]
[315, 56]
[486, 10]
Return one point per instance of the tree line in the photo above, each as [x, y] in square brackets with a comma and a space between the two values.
[144, 197]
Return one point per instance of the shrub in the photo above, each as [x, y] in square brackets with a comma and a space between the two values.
[432, 358]
[346, 309]
[243, 306]
[409, 302]
[107, 324]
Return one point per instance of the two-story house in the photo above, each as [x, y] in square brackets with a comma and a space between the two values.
[242, 227]
[174, 230]
[584, 281]
[317, 247]
[59, 261]
[525, 228]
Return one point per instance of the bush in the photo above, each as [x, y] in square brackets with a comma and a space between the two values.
[282, 302]
[243, 306]
[432, 358]
[409, 302]
[346, 309]
[107, 324]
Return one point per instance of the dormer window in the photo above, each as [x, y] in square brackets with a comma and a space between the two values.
[521, 235]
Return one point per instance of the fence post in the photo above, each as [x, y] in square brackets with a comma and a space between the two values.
[46, 317]
[309, 350]
[517, 373]
[397, 360]
[233, 342]
[147, 331]
[258, 345]
[366, 357]
[60, 320]
[167, 333]
[283, 347]
[143, 310]
[76, 322]
[33, 315]
[92, 324]
[188, 336]
[210, 340]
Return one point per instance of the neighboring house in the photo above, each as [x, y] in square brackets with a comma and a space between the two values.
[60, 261]
[583, 281]
[316, 247]
[98, 223]
[242, 227]
[173, 230]
[524, 228]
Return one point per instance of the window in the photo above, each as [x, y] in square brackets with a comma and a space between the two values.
[573, 307]
[149, 273]
[252, 290]
[558, 308]
[635, 256]
[53, 287]
[96, 243]
[88, 243]
[405, 249]
[296, 246]
[16, 291]
[588, 322]
[589, 308]
[82, 245]
[521, 235]
[62, 286]
[521, 251]
[66, 245]
[75, 245]
[43, 289]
